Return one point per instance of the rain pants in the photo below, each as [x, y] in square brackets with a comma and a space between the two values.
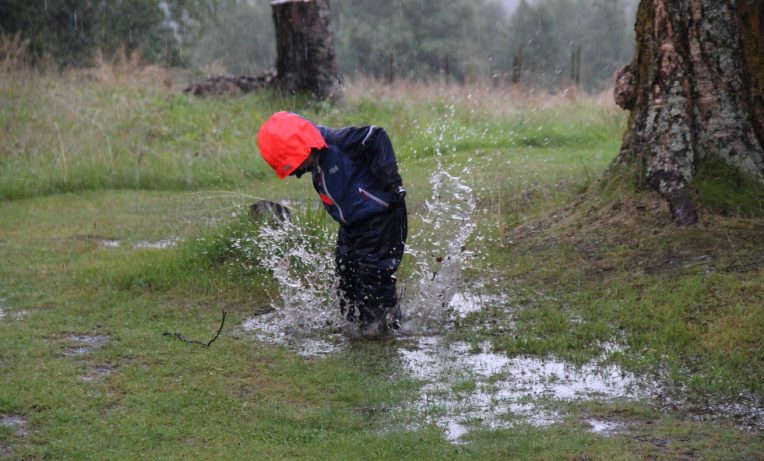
[354, 178]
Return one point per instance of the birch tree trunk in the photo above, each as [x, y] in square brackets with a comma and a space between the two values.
[695, 89]
[305, 47]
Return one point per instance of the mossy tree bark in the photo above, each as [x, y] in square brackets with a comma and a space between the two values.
[695, 89]
[306, 59]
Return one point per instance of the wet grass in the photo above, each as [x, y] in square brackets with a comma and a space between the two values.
[82, 165]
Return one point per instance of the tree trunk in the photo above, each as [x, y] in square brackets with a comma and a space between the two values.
[305, 46]
[695, 89]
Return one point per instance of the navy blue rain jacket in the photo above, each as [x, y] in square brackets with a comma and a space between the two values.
[355, 172]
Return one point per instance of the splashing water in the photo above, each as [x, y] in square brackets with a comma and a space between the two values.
[302, 262]
[440, 252]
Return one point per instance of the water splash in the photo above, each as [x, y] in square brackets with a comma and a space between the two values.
[300, 257]
[440, 252]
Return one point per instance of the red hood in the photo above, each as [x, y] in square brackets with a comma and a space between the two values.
[286, 140]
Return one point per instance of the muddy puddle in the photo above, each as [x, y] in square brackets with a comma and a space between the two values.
[470, 387]
[97, 373]
[467, 386]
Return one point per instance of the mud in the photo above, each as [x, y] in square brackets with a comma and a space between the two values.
[97, 373]
[746, 413]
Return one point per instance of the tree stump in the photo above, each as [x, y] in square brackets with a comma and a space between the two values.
[694, 89]
[306, 59]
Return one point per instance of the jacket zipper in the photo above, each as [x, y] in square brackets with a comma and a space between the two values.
[326, 189]
[373, 197]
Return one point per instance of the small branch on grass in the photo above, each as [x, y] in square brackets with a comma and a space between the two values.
[195, 341]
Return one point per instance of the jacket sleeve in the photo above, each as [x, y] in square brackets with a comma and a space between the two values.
[371, 145]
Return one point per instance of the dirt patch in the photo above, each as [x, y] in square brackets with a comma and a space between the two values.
[6, 451]
[98, 372]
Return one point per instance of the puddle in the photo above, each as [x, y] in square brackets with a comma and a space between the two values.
[6, 314]
[85, 344]
[605, 428]
[19, 423]
[307, 344]
[157, 245]
[494, 391]
[111, 243]
[467, 302]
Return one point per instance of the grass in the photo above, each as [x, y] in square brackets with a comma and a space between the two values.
[583, 263]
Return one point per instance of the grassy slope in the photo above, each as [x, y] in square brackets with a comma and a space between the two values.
[583, 271]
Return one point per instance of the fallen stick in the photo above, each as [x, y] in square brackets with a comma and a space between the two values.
[196, 341]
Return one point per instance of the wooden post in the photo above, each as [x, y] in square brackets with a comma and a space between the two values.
[517, 66]
[390, 69]
[446, 68]
[575, 66]
[305, 46]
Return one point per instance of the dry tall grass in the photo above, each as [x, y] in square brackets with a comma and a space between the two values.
[483, 95]
[13, 53]
[125, 69]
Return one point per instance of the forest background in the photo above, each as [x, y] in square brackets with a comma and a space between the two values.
[411, 39]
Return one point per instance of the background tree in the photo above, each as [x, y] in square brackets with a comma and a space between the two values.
[480, 37]
[548, 31]
[695, 90]
[418, 34]
[306, 60]
[70, 31]
[532, 30]
[241, 39]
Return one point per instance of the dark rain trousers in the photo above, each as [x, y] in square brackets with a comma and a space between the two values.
[367, 255]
